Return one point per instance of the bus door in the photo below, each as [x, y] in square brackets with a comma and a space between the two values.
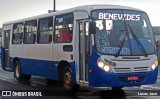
[6, 50]
[83, 62]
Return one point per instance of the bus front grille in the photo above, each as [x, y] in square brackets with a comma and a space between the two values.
[122, 70]
[141, 69]
[135, 69]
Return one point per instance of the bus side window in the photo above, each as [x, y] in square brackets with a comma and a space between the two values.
[17, 33]
[45, 29]
[30, 32]
[63, 28]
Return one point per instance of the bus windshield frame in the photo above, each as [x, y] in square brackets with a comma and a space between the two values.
[122, 32]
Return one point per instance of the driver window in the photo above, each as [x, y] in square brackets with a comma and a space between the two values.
[145, 31]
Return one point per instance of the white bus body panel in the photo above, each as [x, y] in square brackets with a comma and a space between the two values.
[29, 51]
[44, 52]
[16, 50]
[59, 54]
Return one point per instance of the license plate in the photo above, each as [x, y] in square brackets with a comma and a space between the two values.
[132, 77]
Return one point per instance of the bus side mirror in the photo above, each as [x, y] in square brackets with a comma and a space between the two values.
[92, 27]
[157, 47]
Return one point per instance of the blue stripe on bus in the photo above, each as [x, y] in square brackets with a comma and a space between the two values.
[42, 68]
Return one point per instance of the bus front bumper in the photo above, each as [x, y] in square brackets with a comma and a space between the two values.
[103, 79]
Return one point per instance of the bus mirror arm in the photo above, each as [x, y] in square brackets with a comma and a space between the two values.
[92, 27]
[157, 47]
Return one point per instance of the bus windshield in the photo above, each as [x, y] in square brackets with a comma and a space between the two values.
[123, 32]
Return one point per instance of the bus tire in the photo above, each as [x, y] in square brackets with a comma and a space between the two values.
[67, 80]
[18, 73]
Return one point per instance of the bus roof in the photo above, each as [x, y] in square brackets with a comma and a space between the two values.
[87, 8]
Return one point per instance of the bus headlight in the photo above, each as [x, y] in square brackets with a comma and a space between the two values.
[155, 64]
[106, 68]
[101, 64]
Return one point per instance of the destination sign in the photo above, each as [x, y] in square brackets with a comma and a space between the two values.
[116, 16]
[114, 50]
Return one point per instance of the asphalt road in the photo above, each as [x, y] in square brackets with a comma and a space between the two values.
[52, 90]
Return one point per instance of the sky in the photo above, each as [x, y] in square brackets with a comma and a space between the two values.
[17, 9]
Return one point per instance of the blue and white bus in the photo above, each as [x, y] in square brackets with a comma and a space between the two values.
[0, 41]
[94, 45]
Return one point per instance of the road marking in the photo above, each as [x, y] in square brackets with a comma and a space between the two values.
[8, 80]
[147, 86]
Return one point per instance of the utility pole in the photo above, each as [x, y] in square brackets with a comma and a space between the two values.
[54, 5]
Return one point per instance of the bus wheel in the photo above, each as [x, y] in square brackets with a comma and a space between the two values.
[18, 73]
[67, 80]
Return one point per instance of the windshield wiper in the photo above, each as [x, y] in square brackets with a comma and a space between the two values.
[122, 42]
[138, 41]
